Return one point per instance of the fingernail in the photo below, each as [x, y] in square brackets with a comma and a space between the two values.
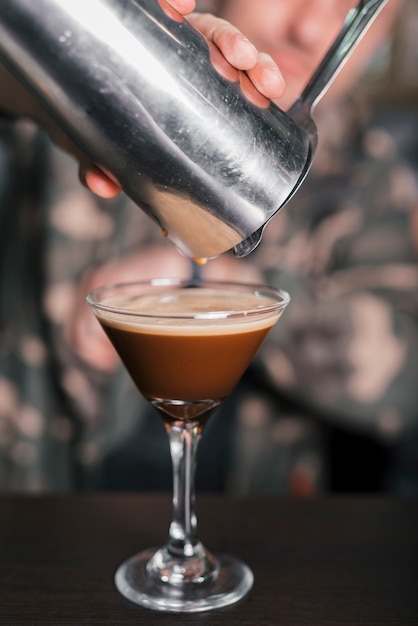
[250, 45]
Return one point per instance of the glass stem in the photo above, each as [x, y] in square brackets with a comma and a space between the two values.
[183, 559]
[184, 438]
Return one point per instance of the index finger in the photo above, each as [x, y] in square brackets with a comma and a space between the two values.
[235, 47]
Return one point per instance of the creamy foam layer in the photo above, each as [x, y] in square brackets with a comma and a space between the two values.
[191, 311]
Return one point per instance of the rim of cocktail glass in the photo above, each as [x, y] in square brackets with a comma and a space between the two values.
[279, 298]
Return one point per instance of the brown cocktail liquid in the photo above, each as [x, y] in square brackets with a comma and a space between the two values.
[178, 361]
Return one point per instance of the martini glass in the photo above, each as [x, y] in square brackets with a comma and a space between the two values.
[185, 345]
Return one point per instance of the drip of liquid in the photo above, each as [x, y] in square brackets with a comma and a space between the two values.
[200, 261]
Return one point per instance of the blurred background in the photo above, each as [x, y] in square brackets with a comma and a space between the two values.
[75, 428]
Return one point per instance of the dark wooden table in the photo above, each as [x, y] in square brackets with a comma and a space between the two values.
[324, 561]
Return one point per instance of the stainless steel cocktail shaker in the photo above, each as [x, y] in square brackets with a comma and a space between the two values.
[136, 90]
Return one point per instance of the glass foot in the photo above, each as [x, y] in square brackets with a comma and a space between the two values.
[231, 582]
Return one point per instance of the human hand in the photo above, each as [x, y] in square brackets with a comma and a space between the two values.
[237, 59]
